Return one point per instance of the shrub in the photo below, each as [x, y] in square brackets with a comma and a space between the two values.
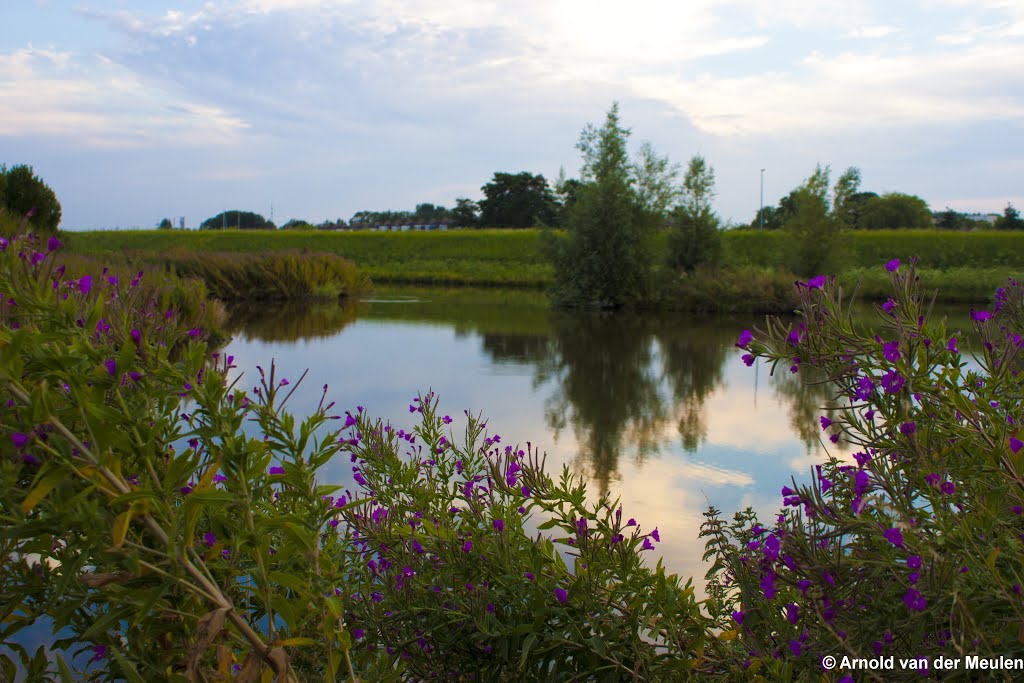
[911, 548]
[24, 194]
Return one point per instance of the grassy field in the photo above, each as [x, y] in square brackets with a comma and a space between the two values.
[965, 267]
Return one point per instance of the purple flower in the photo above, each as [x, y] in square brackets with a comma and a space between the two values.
[891, 351]
[892, 381]
[914, 562]
[85, 284]
[99, 653]
[19, 439]
[499, 525]
[894, 536]
[980, 316]
[908, 428]
[53, 244]
[825, 422]
[656, 535]
[1015, 444]
[358, 633]
[218, 478]
[467, 546]
[738, 617]
[792, 613]
[768, 584]
[794, 335]
[209, 539]
[529, 576]
[647, 544]
[816, 282]
[447, 420]
[111, 366]
[794, 647]
[771, 547]
[948, 487]
[914, 600]
[951, 346]
[194, 332]
[803, 585]
[888, 306]
[861, 482]
[746, 336]
[893, 265]
[865, 388]
[561, 595]
[748, 359]
[275, 470]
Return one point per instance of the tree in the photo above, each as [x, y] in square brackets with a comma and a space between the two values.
[1010, 220]
[298, 224]
[26, 195]
[165, 224]
[237, 220]
[893, 211]
[566, 192]
[520, 200]
[466, 213]
[656, 178]
[605, 258]
[812, 230]
[844, 190]
[695, 238]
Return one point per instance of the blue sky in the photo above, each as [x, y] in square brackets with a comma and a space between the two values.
[133, 111]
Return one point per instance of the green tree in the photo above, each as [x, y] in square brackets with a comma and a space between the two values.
[695, 238]
[656, 182]
[298, 224]
[605, 258]
[466, 213]
[846, 187]
[893, 211]
[165, 224]
[237, 220]
[26, 195]
[813, 231]
[520, 200]
[1010, 220]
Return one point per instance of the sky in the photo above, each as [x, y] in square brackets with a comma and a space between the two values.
[136, 110]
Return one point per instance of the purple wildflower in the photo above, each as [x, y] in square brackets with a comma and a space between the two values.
[209, 539]
[499, 525]
[980, 316]
[561, 595]
[467, 546]
[738, 617]
[275, 470]
[19, 439]
[748, 359]
[951, 346]
[1015, 444]
[914, 600]
[792, 612]
[894, 536]
[893, 265]
[746, 336]
[816, 282]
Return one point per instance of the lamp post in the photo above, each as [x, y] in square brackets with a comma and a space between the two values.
[760, 211]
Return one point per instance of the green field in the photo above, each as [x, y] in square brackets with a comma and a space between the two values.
[965, 267]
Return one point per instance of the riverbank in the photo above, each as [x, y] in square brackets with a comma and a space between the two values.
[963, 267]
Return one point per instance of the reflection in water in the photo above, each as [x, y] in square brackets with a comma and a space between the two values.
[808, 397]
[290, 321]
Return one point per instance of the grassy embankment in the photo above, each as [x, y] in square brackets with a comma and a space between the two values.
[964, 267]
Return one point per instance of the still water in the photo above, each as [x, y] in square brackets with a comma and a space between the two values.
[658, 410]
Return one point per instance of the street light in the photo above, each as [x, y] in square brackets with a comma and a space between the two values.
[760, 211]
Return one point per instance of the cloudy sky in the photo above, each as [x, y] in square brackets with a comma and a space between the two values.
[133, 110]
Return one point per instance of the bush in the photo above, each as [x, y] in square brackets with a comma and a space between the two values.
[911, 548]
[23, 194]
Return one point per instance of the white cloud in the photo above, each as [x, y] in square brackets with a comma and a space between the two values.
[879, 31]
[98, 103]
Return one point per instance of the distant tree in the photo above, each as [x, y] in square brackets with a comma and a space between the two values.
[846, 187]
[604, 259]
[695, 238]
[567, 190]
[336, 224]
[767, 218]
[431, 214]
[953, 220]
[466, 213]
[26, 195]
[298, 224]
[237, 220]
[895, 210]
[1010, 220]
[854, 206]
[520, 200]
[165, 224]
[812, 230]
[657, 185]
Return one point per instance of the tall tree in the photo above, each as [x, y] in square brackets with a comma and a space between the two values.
[695, 238]
[812, 230]
[656, 181]
[520, 200]
[845, 188]
[466, 213]
[895, 210]
[26, 195]
[1010, 220]
[237, 220]
[605, 258]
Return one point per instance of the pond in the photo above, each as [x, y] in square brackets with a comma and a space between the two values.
[658, 410]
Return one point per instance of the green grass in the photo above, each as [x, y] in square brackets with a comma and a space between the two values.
[965, 267]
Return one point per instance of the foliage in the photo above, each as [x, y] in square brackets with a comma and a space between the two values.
[298, 224]
[656, 179]
[466, 213]
[165, 224]
[894, 210]
[24, 194]
[909, 549]
[1010, 220]
[274, 275]
[520, 200]
[695, 238]
[237, 220]
[605, 259]
[844, 206]
[811, 229]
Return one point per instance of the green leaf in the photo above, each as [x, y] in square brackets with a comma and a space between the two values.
[64, 670]
[129, 670]
[528, 642]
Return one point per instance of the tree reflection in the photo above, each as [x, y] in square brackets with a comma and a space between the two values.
[808, 396]
[290, 321]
